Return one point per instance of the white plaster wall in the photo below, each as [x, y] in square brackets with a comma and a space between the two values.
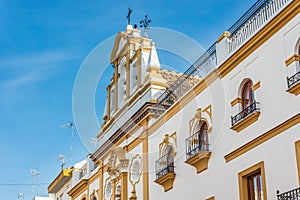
[94, 186]
[64, 190]
[129, 112]
[81, 195]
[266, 65]
[139, 186]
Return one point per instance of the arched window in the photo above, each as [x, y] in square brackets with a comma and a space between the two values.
[248, 107]
[203, 137]
[197, 145]
[247, 95]
[198, 142]
[165, 164]
[169, 156]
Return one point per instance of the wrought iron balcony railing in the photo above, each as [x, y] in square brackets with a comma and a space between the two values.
[196, 143]
[293, 79]
[254, 19]
[163, 166]
[254, 107]
[290, 195]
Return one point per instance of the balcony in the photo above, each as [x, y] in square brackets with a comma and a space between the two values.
[290, 195]
[197, 151]
[165, 174]
[294, 84]
[245, 118]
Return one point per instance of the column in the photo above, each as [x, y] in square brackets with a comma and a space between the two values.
[116, 78]
[108, 102]
[128, 73]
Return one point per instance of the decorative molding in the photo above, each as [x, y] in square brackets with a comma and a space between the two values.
[255, 86]
[242, 178]
[292, 59]
[297, 149]
[211, 198]
[83, 197]
[127, 67]
[199, 161]
[208, 110]
[226, 34]
[166, 181]
[147, 110]
[145, 164]
[236, 101]
[113, 168]
[108, 189]
[131, 100]
[295, 89]
[166, 141]
[138, 93]
[139, 69]
[64, 176]
[93, 177]
[250, 119]
[108, 104]
[116, 88]
[135, 169]
[101, 185]
[78, 188]
[263, 138]
[92, 194]
[124, 183]
[198, 118]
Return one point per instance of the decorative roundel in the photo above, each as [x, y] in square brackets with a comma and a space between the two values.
[135, 169]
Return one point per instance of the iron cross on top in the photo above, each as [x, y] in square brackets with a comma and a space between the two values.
[128, 15]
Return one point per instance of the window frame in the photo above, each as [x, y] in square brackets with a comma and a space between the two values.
[243, 179]
[247, 92]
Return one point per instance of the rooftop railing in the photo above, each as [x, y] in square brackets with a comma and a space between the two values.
[255, 18]
[251, 22]
[203, 66]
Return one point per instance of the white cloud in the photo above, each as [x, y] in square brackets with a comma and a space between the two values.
[37, 59]
[24, 79]
[34, 67]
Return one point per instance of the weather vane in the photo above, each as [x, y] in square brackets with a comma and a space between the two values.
[128, 15]
[145, 24]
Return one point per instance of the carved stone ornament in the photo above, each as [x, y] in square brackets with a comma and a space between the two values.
[135, 172]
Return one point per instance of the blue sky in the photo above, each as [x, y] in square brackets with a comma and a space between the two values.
[42, 45]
